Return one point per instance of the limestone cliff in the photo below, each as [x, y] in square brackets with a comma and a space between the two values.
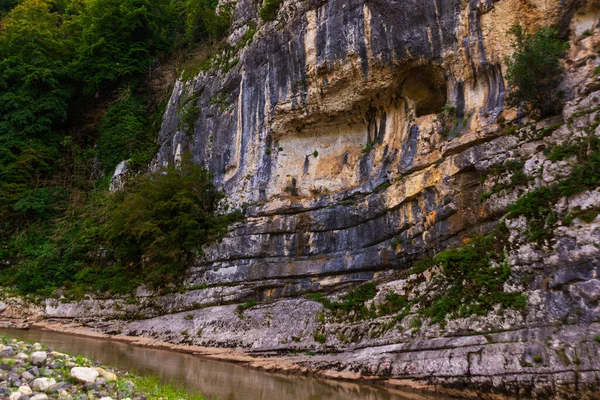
[332, 125]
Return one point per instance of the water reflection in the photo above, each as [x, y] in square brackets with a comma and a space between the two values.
[214, 379]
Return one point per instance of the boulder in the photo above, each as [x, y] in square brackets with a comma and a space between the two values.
[39, 358]
[26, 390]
[84, 374]
[42, 384]
[109, 376]
[28, 376]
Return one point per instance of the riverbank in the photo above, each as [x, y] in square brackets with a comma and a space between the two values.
[288, 365]
[38, 372]
[214, 379]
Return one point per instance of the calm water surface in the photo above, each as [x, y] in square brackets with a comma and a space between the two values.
[214, 379]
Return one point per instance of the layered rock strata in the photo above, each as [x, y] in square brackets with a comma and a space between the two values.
[361, 137]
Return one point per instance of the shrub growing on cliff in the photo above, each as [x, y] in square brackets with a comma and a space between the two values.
[163, 220]
[269, 10]
[471, 281]
[534, 69]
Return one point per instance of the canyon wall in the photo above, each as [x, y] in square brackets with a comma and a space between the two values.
[361, 137]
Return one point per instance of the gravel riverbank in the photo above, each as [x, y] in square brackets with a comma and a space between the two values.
[36, 372]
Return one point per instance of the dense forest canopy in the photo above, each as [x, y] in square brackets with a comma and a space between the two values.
[74, 102]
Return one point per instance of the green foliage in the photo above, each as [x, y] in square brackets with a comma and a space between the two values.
[50, 254]
[164, 219]
[352, 303]
[534, 69]
[42, 204]
[588, 215]
[117, 39]
[448, 121]
[32, 101]
[123, 130]
[6, 6]
[393, 304]
[204, 22]
[562, 152]
[517, 177]
[153, 388]
[221, 100]
[537, 205]
[190, 112]
[367, 147]
[320, 337]
[245, 306]
[269, 10]
[471, 281]
[248, 36]
[61, 64]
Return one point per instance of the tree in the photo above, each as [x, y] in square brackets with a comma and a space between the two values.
[119, 38]
[534, 70]
[163, 219]
[123, 130]
[33, 98]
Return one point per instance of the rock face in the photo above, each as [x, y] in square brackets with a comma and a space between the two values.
[363, 136]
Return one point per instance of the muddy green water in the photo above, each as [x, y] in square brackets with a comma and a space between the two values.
[214, 379]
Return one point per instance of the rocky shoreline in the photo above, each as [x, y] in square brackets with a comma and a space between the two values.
[37, 372]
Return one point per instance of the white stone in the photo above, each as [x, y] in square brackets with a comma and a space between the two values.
[42, 384]
[26, 390]
[15, 396]
[106, 398]
[109, 376]
[38, 358]
[84, 375]
[22, 356]
[39, 397]
[56, 354]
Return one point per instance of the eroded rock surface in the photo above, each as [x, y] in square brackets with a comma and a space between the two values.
[332, 125]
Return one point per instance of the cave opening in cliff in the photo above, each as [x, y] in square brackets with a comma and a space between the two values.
[426, 88]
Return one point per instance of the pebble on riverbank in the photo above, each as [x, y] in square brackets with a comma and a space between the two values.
[33, 372]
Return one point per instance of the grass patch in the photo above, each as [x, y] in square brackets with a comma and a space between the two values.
[153, 388]
[241, 308]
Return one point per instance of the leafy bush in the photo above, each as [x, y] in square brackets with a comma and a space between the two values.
[534, 69]
[269, 10]
[164, 219]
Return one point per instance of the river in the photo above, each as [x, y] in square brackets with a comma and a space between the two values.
[213, 379]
